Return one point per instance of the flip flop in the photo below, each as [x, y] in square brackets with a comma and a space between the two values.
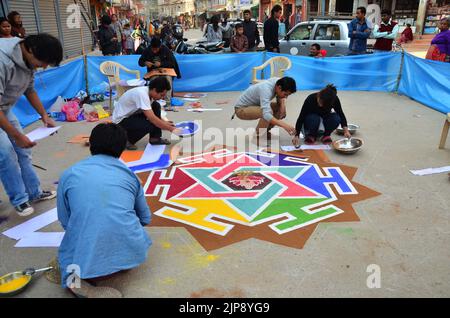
[310, 140]
[161, 141]
[326, 140]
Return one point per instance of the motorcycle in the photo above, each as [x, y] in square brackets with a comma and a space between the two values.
[200, 47]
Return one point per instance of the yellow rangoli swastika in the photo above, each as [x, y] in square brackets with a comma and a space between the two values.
[202, 209]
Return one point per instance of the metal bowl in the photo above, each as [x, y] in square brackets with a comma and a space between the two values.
[348, 146]
[7, 291]
[352, 128]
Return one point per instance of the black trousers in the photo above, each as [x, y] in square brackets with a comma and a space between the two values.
[137, 125]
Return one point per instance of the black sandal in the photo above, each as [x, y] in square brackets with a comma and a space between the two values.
[160, 141]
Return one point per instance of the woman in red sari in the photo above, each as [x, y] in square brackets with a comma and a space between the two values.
[440, 45]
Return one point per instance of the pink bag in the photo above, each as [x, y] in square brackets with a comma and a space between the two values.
[71, 109]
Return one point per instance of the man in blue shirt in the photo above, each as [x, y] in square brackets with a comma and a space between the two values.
[102, 208]
[359, 31]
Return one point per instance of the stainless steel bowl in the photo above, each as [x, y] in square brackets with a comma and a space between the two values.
[352, 128]
[348, 146]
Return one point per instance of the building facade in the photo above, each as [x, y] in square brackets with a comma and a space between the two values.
[423, 15]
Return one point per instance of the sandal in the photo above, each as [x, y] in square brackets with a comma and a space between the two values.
[310, 140]
[160, 141]
[326, 140]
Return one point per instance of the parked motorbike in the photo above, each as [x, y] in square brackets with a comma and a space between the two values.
[200, 47]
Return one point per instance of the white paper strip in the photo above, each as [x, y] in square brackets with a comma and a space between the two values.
[427, 171]
[306, 147]
[315, 147]
[41, 133]
[32, 225]
[203, 109]
[191, 99]
[41, 239]
[151, 153]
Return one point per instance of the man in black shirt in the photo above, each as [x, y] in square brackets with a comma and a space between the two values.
[251, 31]
[271, 30]
[318, 107]
[157, 56]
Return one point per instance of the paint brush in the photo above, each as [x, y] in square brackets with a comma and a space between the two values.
[39, 167]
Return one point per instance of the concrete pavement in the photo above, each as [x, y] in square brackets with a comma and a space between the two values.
[405, 230]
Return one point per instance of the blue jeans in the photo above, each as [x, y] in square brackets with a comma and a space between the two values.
[16, 171]
[312, 123]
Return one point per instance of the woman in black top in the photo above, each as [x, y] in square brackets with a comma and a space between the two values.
[318, 106]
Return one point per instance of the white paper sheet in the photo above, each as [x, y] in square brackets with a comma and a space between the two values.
[151, 154]
[41, 239]
[306, 147]
[32, 225]
[41, 133]
[427, 171]
[289, 148]
[203, 109]
[315, 147]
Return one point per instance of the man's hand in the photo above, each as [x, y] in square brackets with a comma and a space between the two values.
[296, 141]
[149, 64]
[290, 130]
[23, 141]
[158, 64]
[177, 131]
[48, 122]
[347, 133]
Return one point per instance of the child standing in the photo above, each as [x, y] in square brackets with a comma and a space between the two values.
[239, 42]
[129, 42]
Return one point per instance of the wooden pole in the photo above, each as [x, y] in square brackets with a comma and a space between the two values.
[83, 52]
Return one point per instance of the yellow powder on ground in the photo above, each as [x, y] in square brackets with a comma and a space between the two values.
[14, 284]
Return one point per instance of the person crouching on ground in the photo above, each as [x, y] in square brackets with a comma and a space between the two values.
[156, 56]
[239, 42]
[139, 113]
[318, 107]
[102, 208]
[255, 103]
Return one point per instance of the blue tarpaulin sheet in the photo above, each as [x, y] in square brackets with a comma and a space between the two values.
[66, 81]
[374, 72]
[425, 81]
[199, 72]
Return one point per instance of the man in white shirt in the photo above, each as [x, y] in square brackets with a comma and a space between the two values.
[139, 113]
[256, 103]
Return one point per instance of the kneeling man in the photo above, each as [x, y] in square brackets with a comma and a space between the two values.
[255, 103]
[102, 208]
[139, 113]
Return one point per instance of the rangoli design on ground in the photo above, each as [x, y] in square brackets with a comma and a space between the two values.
[222, 197]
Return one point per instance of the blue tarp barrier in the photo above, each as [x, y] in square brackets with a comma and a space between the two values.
[427, 82]
[66, 81]
[374, 72]
[199, 72]
[233, 72]
[95, 77]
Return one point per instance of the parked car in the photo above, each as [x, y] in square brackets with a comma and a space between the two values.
[331, 35]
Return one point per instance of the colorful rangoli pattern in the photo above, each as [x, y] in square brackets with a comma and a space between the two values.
[223, 197]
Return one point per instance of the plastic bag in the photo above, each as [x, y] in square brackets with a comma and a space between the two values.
[90, 113]
[71, 110]
[100, 88]
[57, 105]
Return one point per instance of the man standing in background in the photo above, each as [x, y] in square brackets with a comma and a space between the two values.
[271, 30]
[251, 31]
[385, 33]
[358, 32]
